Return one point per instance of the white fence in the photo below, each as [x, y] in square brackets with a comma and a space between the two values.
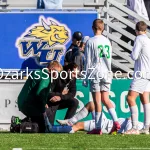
[121, 57]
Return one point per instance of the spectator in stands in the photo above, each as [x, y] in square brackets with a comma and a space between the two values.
[74, 47]
[138, 7]
[147, 5]
[34, 94]
[83, 42]
[49, 4]
[75, 55]
[76, 41]
[63, 93]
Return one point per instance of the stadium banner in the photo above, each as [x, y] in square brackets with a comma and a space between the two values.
[32, 38]
[9, 91]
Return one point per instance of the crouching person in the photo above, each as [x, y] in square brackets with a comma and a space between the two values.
[63, 94]
[34, 94]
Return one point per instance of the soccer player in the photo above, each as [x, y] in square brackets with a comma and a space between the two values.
[34, 95]
[141, 78]
[107, 124]
[98, 52]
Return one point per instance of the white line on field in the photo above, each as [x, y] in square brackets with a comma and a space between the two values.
[120, 148]
[134, 148]
[44, 148]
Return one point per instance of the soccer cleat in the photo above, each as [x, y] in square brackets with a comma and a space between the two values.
[95, 131]
[65, 122]
[116, 127]
[144, 131]
[132, 131]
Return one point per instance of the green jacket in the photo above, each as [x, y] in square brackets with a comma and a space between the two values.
[33, 96]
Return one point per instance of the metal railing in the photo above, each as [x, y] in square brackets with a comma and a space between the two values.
[123, 62]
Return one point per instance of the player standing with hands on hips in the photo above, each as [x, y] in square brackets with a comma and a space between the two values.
[98, 52]
[141, 79]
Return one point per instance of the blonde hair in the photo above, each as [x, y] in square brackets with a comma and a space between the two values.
[55, 63]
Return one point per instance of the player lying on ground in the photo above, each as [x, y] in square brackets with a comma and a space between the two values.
[106, 124]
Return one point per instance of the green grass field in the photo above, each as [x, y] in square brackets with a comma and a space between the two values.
[78, 141]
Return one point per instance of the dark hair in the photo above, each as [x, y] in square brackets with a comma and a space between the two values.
[70, 66]
[141, 26]
[77, 35]
[98, 24]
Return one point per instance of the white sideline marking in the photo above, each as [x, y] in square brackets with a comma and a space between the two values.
[17, 149]
[121, 148]
[47, 148]
[136, 148]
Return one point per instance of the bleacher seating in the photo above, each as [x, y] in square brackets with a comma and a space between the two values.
[67, 4]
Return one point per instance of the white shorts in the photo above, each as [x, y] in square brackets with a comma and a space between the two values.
[140, 85]
[99, 86]
[125, 125]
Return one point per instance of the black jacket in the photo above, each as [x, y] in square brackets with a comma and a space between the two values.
[76, 56]
[59, 85]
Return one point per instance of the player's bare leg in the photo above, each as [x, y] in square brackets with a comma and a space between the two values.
[91, 108]
[98, 111]
[80, 115]
[146, 105]
[78, 126]
[131, 99]
[106, 101]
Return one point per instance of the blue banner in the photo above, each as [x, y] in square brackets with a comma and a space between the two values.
[30, 39]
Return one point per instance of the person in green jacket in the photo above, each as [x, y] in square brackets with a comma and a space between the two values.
[34, 94]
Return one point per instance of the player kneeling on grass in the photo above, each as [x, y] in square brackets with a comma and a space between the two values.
[34, 94]
[141, 79]
[98, 52]
[106, 124]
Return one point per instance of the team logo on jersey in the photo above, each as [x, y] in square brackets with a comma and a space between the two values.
[45, 39]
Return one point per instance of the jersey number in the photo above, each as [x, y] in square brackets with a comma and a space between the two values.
[105, 49]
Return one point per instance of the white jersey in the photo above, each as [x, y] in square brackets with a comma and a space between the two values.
[141, 56]
[107, 124]
[138, 7]
[98, 53]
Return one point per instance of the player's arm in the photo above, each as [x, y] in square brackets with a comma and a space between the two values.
[136, 49]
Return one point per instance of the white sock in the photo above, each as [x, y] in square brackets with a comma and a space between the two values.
[98, 120]
[146, 115]
[80, 115]
[93, 115]
[113, 114]
[72, 131]
[134, 116]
